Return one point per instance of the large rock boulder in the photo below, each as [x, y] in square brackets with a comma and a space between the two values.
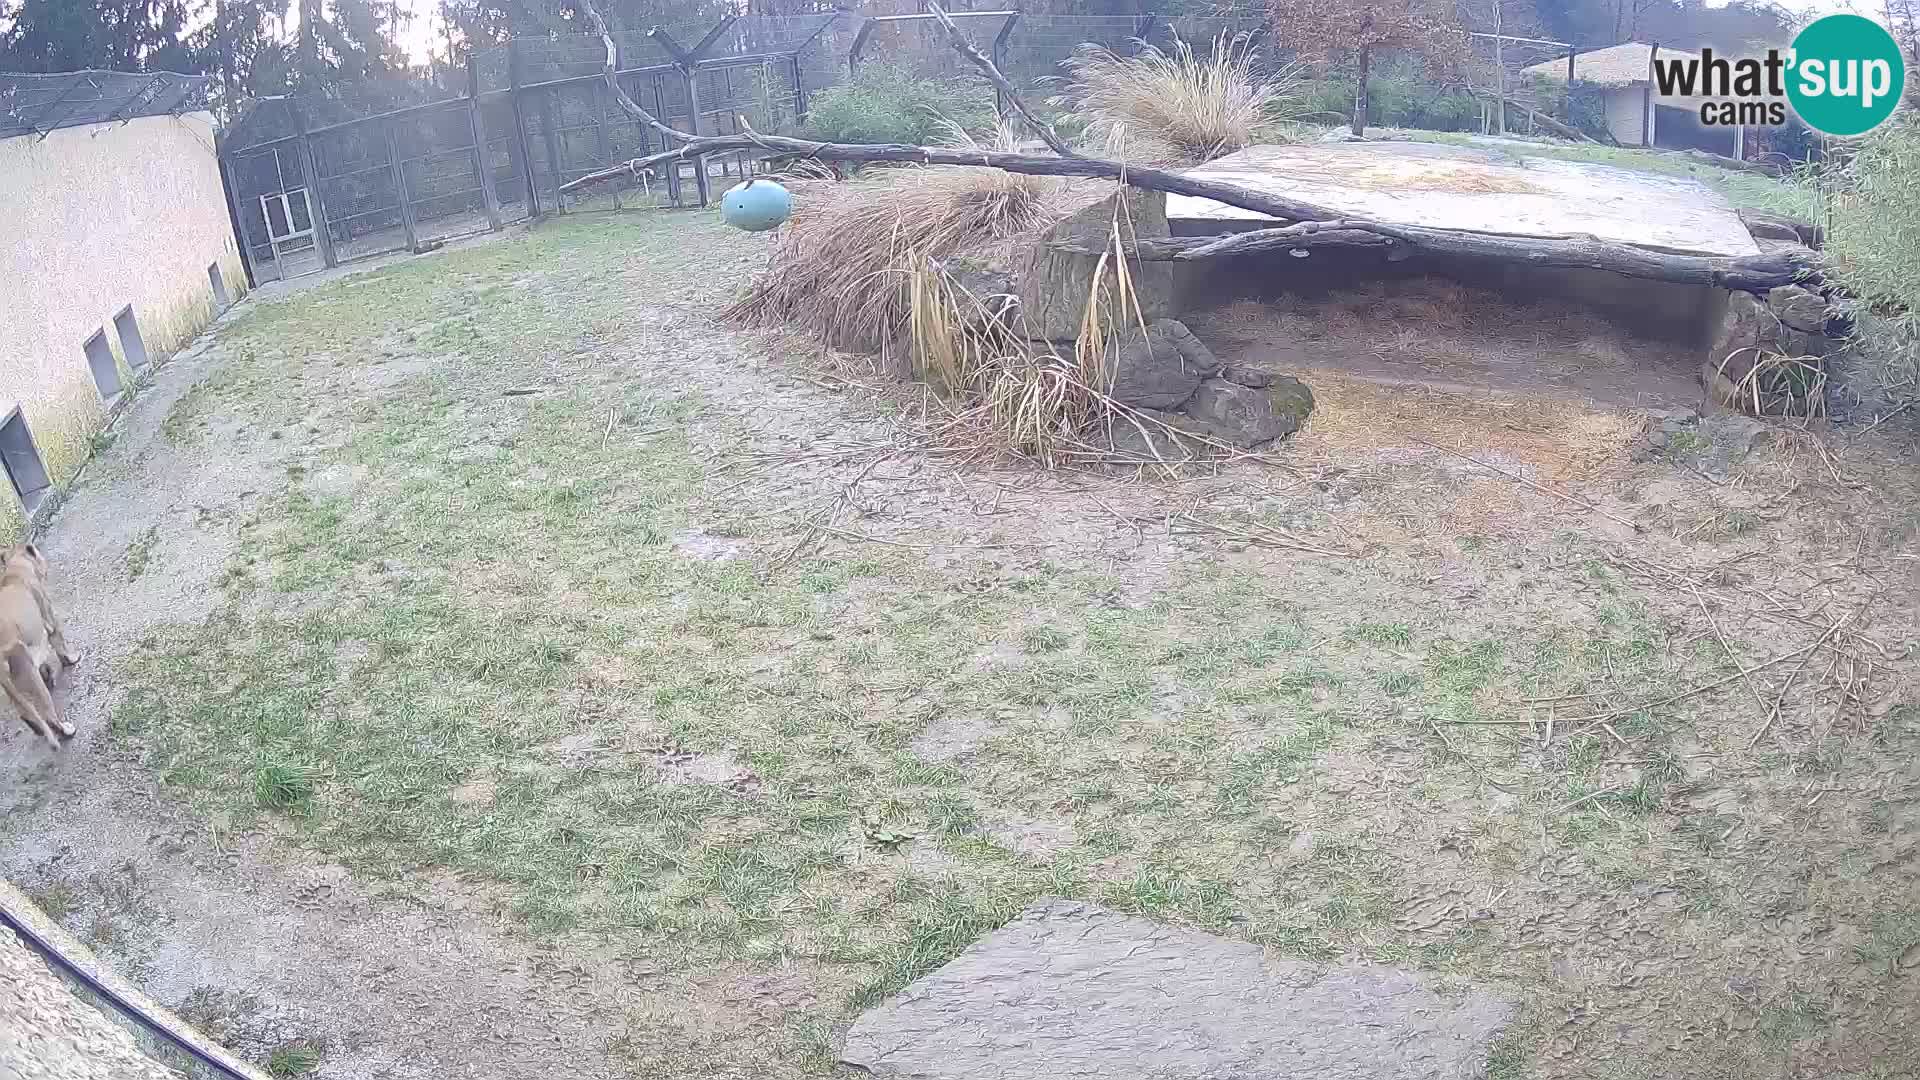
[1791, 321]
[1155, 435]
[1763, 225]
[1054, 285]
[1246, 416]
[1159, 369]
[1798, 307]
[1748, 324]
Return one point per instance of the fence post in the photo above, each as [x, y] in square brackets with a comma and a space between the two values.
[231, 184]
[799, 91]
[556, 162]
[400, 188]
[701, 184]
[859, 45]
[1142, 26]
[519, 141]
[1000, 102]
[482, 159]
[688, 61]
[1570, 52]
[600, 96]
[672, 169]
[322, 230]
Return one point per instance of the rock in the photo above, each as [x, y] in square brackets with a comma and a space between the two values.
[1244, 416]
[1148, 438]
[1290, 397]
[1072, 990]
[1747, 324]
[1247, 376]
[1053, 285]
[1160, 370]
[992, 289]
[1799, 308]
[1794, 342]
[1762, 225]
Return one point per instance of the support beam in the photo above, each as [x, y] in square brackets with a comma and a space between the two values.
[999, 48]
[399, 170]
[482, 158]
[706, 43]
[518, 144]
[303, 145]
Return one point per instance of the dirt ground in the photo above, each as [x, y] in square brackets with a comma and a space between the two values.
[495, 668]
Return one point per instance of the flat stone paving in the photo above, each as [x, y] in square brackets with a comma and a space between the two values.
[1070, 991]
[1492, 189]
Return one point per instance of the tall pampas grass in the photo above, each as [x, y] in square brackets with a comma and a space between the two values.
[1172, 107]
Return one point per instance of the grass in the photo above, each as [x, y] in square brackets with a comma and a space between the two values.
[294, 1059]
[56, 899]
[140, 552]
[807, 768]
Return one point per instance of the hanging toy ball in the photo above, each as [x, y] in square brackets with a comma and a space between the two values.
[756, 206]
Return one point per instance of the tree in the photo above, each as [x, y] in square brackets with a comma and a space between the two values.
[121, 35]
[1323, 29]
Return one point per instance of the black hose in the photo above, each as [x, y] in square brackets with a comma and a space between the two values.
[53, 955]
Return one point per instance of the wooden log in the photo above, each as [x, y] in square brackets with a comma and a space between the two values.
[1752, 273]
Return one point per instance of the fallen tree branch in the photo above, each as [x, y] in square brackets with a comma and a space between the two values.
[966, 48]
[1028, 164]
[1540, 118]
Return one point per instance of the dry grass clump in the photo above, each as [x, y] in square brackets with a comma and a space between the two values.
[1173, 107]
[841, 271]
[1004, 393]
[1764, 383]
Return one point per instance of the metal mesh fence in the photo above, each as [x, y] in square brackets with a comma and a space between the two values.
[38, 104]
[308, 196]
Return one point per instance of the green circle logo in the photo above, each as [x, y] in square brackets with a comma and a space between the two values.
[1846, 75]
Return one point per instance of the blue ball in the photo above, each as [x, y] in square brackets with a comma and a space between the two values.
[756, 206]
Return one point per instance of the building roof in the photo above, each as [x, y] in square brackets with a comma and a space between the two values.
[1616, 65]
[38, 104]
[1619, 67]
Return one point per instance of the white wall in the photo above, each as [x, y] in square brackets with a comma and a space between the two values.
[1626, 114]
[93, 219]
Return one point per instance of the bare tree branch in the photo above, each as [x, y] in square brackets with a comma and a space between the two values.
[958, 39]
[627, 104]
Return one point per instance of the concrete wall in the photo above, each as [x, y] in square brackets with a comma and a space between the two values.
[93, 219]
